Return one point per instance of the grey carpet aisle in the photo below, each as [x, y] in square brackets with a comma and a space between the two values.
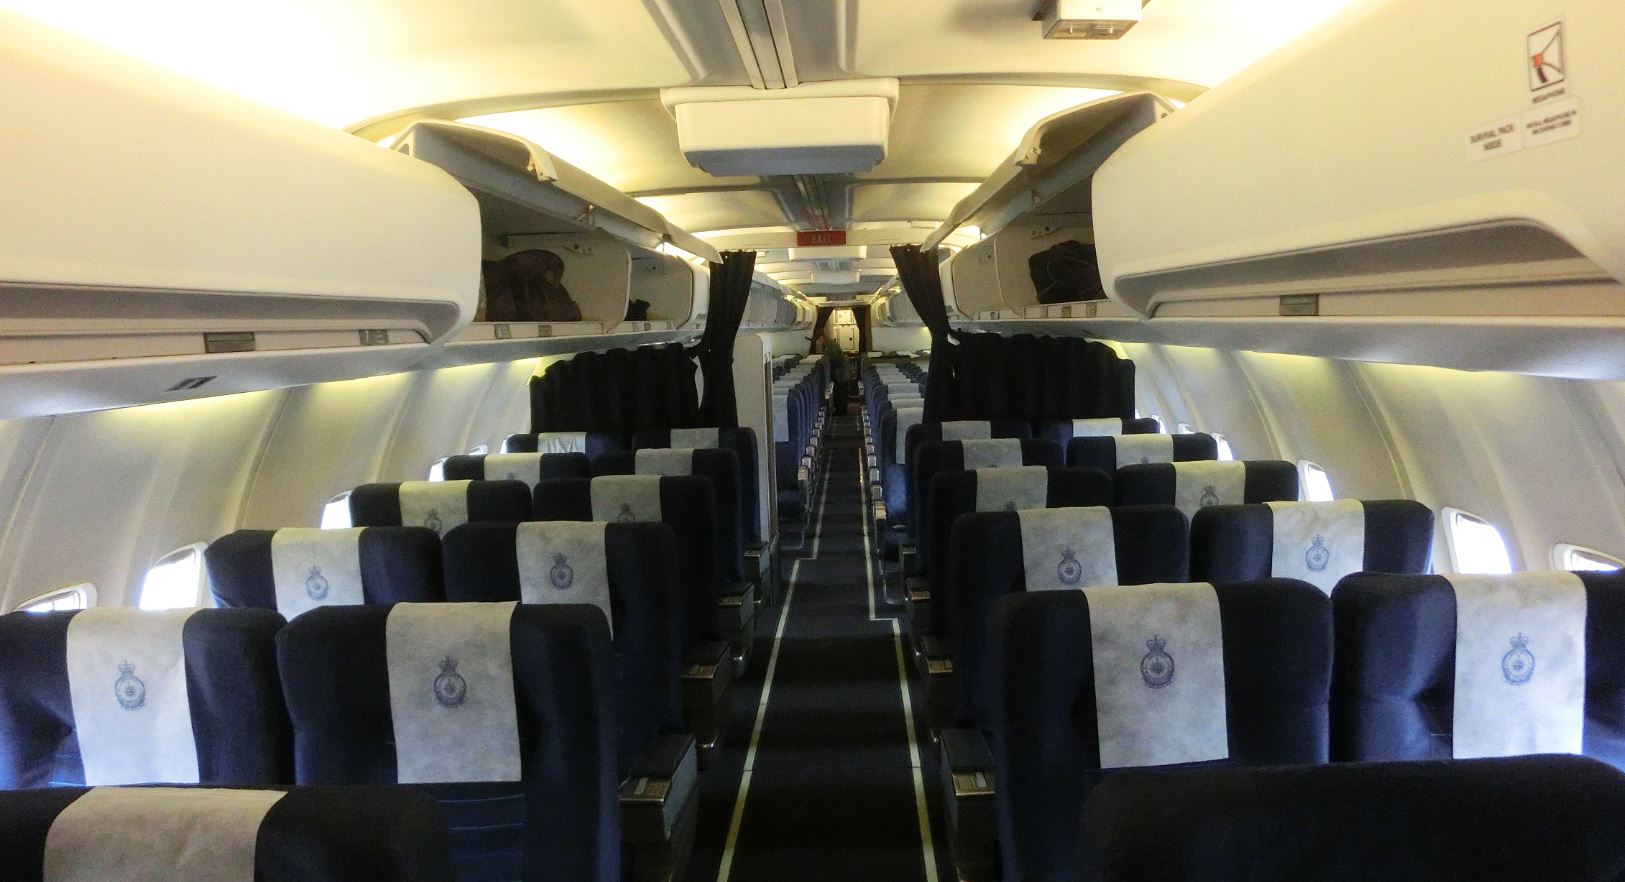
[831, 789]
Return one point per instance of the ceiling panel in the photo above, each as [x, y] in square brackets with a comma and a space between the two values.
[963, 131]
[342, 61]
[698, 212]
[879, 202]
[1197, 41]
[630, 145]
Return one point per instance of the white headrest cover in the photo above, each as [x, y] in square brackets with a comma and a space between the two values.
[451, 692]
[1520, 664]
[1159, 674]
[127, 684]
[158, 834]
[312, 567]
[1068, 548]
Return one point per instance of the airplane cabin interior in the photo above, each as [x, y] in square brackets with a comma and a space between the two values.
[775, 440]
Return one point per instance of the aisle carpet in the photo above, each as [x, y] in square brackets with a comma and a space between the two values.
[831, 791]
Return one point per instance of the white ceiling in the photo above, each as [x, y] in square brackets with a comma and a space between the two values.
[581, 78]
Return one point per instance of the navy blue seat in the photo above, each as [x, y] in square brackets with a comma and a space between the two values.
[1234, 543]
[1113, 452]
[930, 458]
[955, 493]
[1254, 481]
[238, 725]
[987, 561]
[558, 818]
[1063, 431]
[1395, 693]
[1276, 658]
[718, 467]
[308, 834]
[640, 566]
[1545, 817]
[629, 571]
[394, 563]
[742, 441]
[687, 505]
[590, 443]
[495, 502]
[527, 466]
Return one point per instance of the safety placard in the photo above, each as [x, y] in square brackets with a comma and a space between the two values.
[1550, 123]
[1546, 59]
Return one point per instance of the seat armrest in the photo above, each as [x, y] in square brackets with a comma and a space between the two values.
[918, 588]
[708, 654]
[966, 752]
[663, 780]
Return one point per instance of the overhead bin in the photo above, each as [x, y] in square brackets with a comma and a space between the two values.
[631, 276]
[1037, 199]
[1435, 182]
[161, 240]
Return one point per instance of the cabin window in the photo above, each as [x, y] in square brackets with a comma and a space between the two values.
[1223, 443]
[1475, 545]
[479, 450]
[81, 596]
[336, 513]
[176, 580]
[437, 469]
[1578, 558]
[1186, 429]
[1317, 485]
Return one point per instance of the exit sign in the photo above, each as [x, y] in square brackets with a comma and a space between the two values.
[820, 238]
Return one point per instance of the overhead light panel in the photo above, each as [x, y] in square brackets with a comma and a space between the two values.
[1088, 19]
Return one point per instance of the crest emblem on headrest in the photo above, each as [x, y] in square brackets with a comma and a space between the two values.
[561, 576]
[1318, 556]
[511, 476]
[1069, 571]
[128, 688]
[1518, 665]
[316, 584]
[450, 689]
[433, 521]
[626, 516]
[1157, 667]
[1210, 497]
[1146, 459]
[1010, 505]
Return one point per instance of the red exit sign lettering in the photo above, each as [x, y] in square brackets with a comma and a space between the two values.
[819, 238]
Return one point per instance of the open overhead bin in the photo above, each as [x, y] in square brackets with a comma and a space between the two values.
[593, 267]
[1432, 182]
[1031, 221]
[161, 240]
[772, 308]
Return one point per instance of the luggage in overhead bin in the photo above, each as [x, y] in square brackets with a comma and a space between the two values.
[528, 286]
[1066, 273]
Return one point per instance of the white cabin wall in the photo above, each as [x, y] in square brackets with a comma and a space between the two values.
[108, 493]
[328, 438]
[1542, 459]
[99, 497]
[904, 339]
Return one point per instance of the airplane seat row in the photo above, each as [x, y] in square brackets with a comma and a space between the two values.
[587, 448]
[1536, 817]
[946, 590]
[716, 614]
[1405, 668]
[295, 834]
[799, 398]
[529, 467]
[505, 713]
[1023, 543]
